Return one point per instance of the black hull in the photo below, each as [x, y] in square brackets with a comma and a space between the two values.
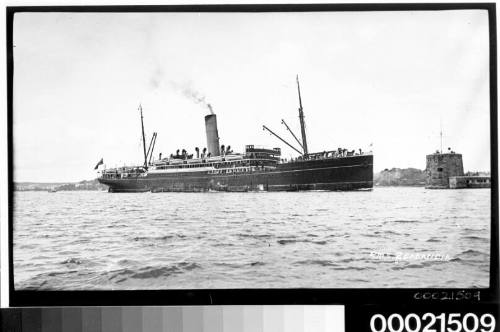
[348, 173]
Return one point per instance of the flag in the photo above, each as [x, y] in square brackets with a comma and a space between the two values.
[99, 163]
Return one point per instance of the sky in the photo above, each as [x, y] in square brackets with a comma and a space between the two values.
[381, 81]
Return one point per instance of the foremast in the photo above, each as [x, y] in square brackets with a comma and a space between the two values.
[302, 123]
[143, 139]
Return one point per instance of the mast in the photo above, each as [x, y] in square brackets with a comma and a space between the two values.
[143, 139]
[302, 123]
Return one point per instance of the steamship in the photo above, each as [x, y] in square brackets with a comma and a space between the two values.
[219, 168]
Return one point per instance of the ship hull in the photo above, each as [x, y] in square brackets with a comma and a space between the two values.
[348, 173]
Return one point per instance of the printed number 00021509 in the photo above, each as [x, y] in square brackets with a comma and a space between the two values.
[429, 322]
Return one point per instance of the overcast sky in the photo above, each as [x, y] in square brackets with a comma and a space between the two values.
[382, 78]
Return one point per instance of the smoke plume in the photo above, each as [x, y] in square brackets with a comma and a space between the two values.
[194, 95]
[156, 78]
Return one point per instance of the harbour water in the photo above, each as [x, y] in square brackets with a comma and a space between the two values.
[397, 237]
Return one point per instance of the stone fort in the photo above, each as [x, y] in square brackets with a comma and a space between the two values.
[440, 167]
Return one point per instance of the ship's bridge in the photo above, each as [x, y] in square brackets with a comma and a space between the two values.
[260, 152]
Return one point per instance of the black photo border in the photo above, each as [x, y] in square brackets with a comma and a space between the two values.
[344, 296]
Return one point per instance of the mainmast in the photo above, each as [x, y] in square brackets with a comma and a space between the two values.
[143, 139]
[302, 123]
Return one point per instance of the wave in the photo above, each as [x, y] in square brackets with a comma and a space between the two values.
[473, 252]
[472, 237]
[287, 237]
[152, 272]
[472, 256]
[348, 260]
[419, 264]
[356, 268]
[117, 226]
[286, 241]
[321, 262]
[127, 262]
[80, 241]
[257, 263]
[41, 257]
[433, 239]
[54, 274]
[370, 235]
[289, 241]
[68, 252]
[334, 265]
[231, 265]
[393, 233]
[404, 221]
[467, 230]
[222, 244]
[358, 280]
[72, 261]
[255, 236]
[27, 246]
[344, 235]
[158, 238]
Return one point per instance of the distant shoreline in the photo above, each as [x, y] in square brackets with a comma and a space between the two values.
[394, 177]
[85, 185]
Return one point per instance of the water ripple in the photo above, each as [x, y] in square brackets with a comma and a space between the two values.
[96, 240]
